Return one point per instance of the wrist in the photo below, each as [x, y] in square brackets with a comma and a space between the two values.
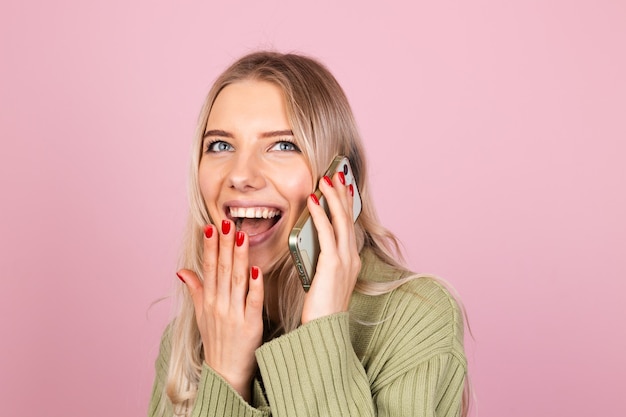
[241, 384]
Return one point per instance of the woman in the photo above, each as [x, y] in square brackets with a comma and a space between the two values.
[368, 338]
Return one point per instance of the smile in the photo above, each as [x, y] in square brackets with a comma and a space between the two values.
[254, 221]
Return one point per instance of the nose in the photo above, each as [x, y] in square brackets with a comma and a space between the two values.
[245, 173]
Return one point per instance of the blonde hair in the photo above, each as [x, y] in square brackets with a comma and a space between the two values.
[323, 126]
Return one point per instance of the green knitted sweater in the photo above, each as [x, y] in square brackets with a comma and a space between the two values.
[397, 354]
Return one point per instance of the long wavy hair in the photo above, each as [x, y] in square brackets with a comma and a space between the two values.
[323, 126]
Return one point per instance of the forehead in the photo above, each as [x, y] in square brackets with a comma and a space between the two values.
[249, 102]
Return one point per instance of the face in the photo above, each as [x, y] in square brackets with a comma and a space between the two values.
[251, 170]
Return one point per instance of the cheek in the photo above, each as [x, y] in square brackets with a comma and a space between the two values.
[299, 188]
[207, 188]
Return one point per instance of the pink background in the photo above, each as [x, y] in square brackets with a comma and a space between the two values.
[496, 134]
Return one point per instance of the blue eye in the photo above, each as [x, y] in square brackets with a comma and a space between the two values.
[285, 146]
[219, 146]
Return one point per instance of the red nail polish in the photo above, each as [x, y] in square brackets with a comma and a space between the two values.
[328, 181]
[342, 178]
[208, 231]
[180, 277]
[351, 188]
[239, 238]
[225, 227]
[315, 200]
[255, 272]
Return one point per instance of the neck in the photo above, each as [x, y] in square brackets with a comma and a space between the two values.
[272, 310]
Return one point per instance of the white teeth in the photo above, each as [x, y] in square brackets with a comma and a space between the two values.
[254, 212]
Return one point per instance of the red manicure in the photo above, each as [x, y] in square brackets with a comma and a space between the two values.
[314, 198]
[328, 181]
[255, 272]
[208, 231]
[239, 238]
[351, 188]
[180, 277]
[225, 227]
[342, 178]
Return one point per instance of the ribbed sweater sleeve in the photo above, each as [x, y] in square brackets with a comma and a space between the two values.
[313, 371]
[217, 398]
[434, 388]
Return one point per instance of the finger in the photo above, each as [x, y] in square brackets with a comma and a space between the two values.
[241, 271]
[225, 260]
[347, 196]
[254, 299]
[339, 182]
[325, 231]
[195, 287]
[209, 262]
[338, 211]
[340, 205]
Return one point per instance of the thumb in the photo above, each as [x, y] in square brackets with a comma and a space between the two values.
[194, 285]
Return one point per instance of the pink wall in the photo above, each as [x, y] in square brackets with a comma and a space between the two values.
[496, 132]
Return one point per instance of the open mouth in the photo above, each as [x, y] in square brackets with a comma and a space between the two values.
[254, 220]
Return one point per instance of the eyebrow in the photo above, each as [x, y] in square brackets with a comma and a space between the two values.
[271, 134]
[217, 132]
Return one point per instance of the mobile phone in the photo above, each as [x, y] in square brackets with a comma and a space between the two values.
[303, 241]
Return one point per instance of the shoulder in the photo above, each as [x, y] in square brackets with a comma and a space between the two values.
[164, 349]
[424, 292]
[166, 336]
[423, 305]
[416, 318]
[424, 313]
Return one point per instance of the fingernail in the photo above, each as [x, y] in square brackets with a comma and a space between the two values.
[208, 231]
[351, 188]
[225, 227]
[239, 238]
[315, 200]
[255, 272]
[328, 181]
[181, 278]
[342, 178]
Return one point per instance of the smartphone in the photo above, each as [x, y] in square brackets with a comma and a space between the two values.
[303, 241]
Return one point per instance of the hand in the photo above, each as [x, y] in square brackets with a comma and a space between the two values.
[228, 306]
[338, 264]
